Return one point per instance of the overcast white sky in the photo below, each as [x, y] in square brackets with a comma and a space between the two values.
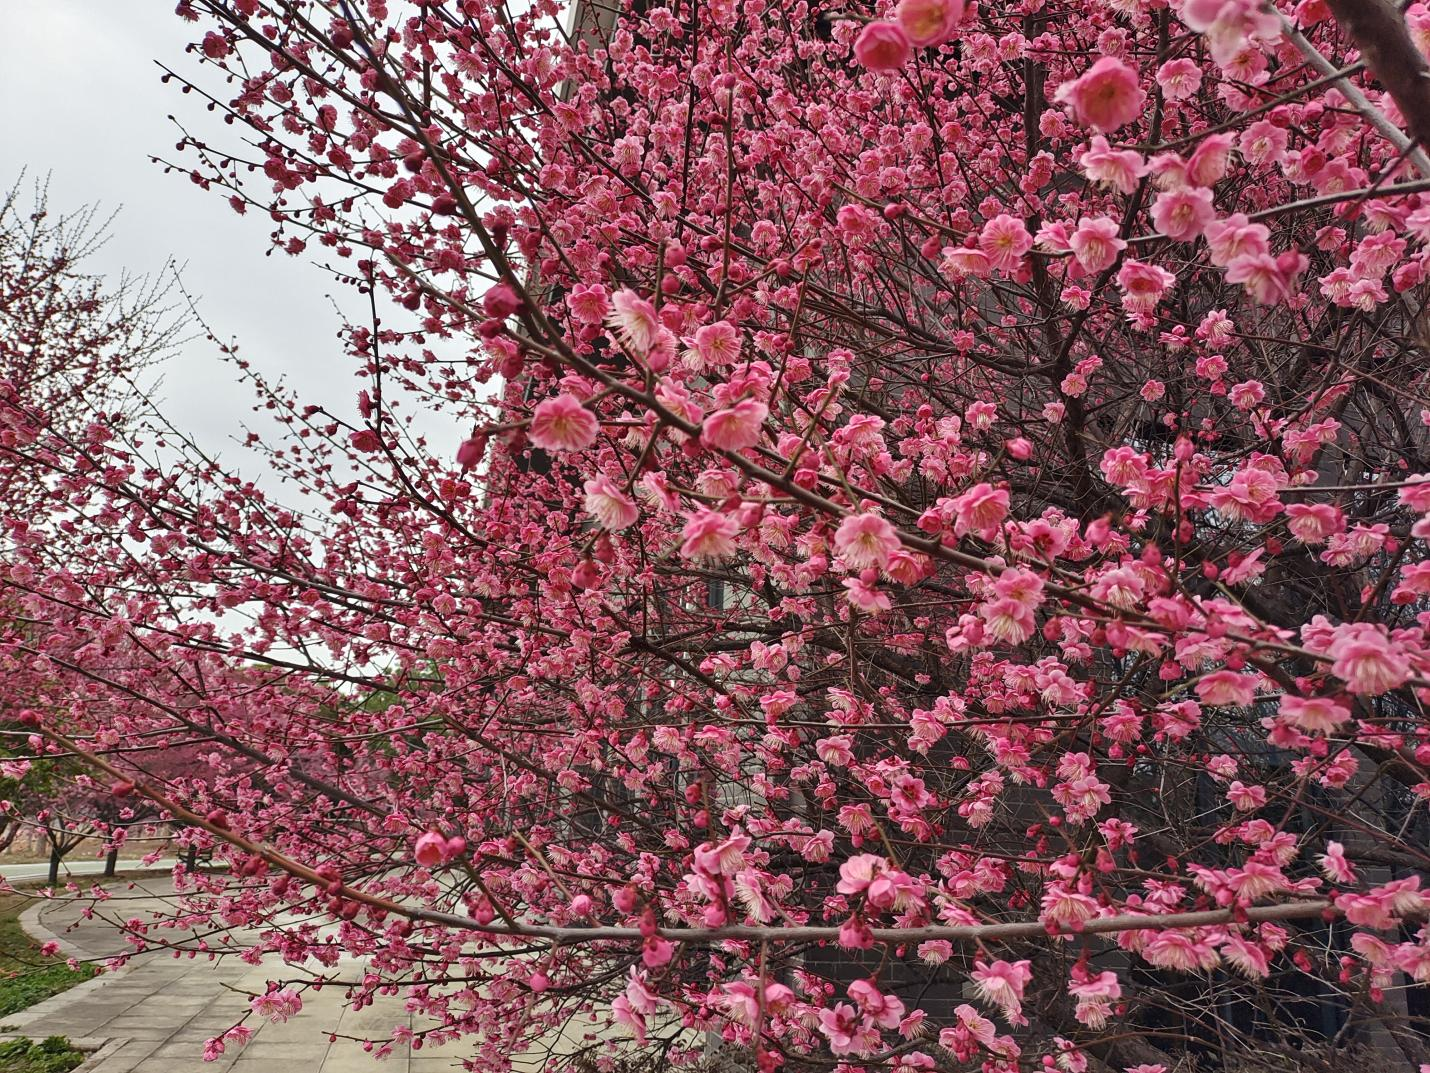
[83, 103]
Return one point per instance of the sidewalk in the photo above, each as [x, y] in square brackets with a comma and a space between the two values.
[159, 1009]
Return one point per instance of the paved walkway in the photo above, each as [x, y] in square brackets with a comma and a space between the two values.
[157, 1012]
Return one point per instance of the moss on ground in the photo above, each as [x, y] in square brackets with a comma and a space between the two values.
[54, 1055]
[26, 975]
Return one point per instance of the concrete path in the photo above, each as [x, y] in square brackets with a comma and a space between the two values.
[158, 1011]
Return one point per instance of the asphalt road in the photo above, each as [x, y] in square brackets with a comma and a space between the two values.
[41, 869]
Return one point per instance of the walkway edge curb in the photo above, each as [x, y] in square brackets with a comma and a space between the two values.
[30, 924]
[106, 1050]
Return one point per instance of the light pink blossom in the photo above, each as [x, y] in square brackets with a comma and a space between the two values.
[563, 424]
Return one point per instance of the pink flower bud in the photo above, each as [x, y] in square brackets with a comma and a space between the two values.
[430, 849]
[501, 301]
[471, 451]
[586, 575]
[882, 46]
[928, 22]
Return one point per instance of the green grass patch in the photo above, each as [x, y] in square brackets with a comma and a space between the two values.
[26, 975]
[54, 1055]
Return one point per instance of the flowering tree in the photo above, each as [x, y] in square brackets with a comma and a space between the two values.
[71, 346]
[938, 576]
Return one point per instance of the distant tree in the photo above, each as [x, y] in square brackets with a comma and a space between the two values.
[73, 346]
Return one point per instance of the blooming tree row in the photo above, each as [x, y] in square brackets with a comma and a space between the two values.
[936, 579]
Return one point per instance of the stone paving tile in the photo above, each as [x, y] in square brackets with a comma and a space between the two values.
[167, 1007]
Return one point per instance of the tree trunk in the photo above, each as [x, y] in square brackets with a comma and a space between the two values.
[111, 861]
[55, 857]
[191, 861]
[1378, 29]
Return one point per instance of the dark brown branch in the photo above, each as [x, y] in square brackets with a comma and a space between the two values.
[1378, 30]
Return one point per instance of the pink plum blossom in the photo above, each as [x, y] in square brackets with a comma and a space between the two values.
[1106, 96]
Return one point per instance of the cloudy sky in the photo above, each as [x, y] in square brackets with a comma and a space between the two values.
[85, 106]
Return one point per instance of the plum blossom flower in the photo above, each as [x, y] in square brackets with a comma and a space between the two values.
[713, 346]
[1182, 215]
[886, 1011]
[1236, 236]
[430, 849]
[858, 872]
[1181, 951]
[1082, 797]
[17, 769]
[1245, 957]
[634, 321]
[1095, 995]
[1104, 97]
[841, 1025]
[736, 427]
[1315, 715]
[935, 951]
[589, 303]
[1334, 865]
[1007, 620]
[980, 510]
[741, 1001]
[882, 46]
[1263, 143]
[1208, 164]
[1381, 907]
[1066, 907]
[632, 1007]
[854, 934]
[214, 1046]
[1001, 983]
[1143, 285]
[1096, 243]
[961, 262]
[970, 1030]
[1006, 241]
[1367, 661]
[1179, 79]
[708, 534]
[837, 750]
[866, 540]
[1245, 798]
[928, 22]
[1230, 25]
[725, 857]
[471, 451]
[818, 847]
[1267, 279]
[863, 592]
[1117, 169]
[1227, 689]
[563, 424]
[612, 508]
[277, 1006]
